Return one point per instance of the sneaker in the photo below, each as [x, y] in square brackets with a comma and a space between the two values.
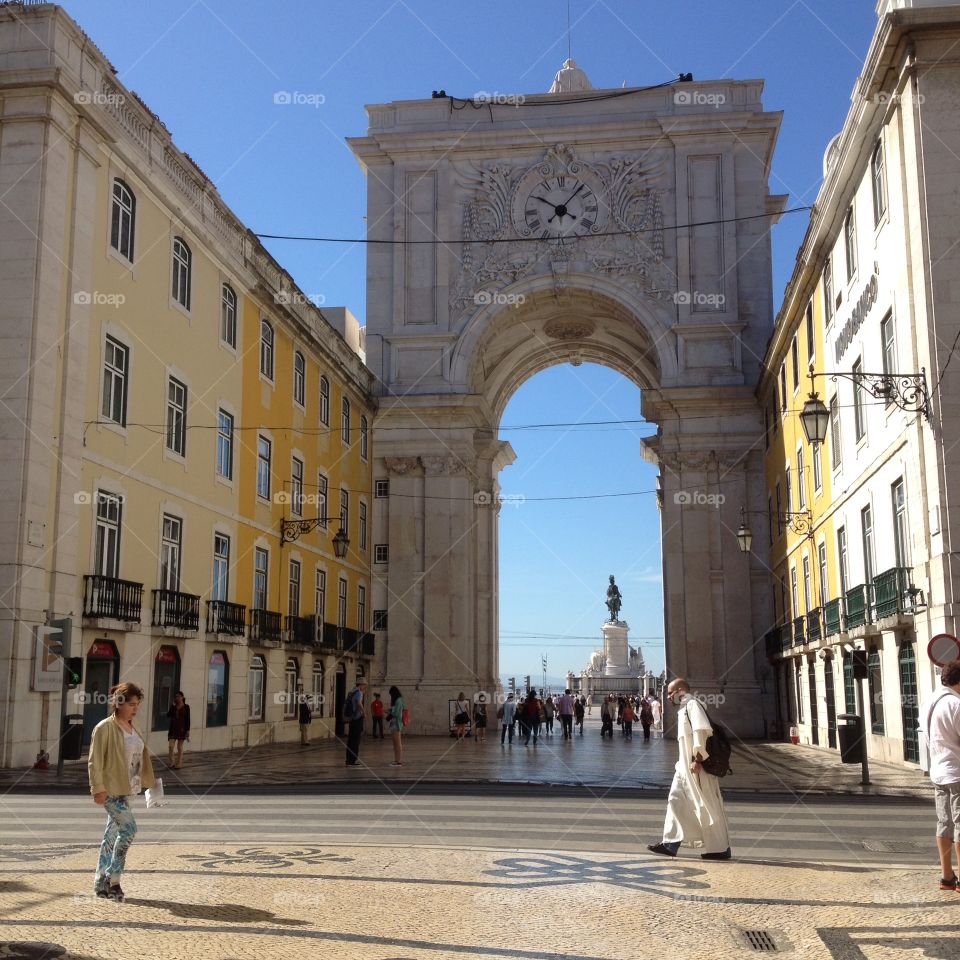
[723, 855]
[101, 886]
[948, 883]
[115, 892]
[662, 849]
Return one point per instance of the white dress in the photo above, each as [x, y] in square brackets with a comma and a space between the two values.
[695, 814]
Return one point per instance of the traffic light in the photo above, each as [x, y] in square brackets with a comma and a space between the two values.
[72, 671]
[513, 685]
[526, 682]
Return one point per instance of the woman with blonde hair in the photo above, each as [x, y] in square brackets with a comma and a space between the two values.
[119, 767]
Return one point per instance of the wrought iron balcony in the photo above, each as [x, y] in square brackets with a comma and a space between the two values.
[265, 626]
[786, 635]
[227, 618]
[814, 628]
[831, 616]
[351, 640]
[891, 593]
[300, 631]
[331, 637]
[112, 599]
[798, 632]
[858, 606]
[174, 609]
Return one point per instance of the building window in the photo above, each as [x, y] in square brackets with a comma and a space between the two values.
[218, 689]
[770, 519]
[116, 365]
[291, 678]
[849, 684]
[363, 525]
[900, 530]
[293, 592]
[794, 592]
[123, 214]
[322, 499]
[779, 511]
[795, 363]
[325, 401]
[875, 689]
[379, 621]
[835, 448]
[866, 528]
[828, 305]
[181, 272]
[107, 542]
[888, 347]
[878, 178]
[381, 553]
[224, 444]
[822, 571]
[798, 684]
[859, 403]
[221, 567]
[783, 387]
[774, 412]
[342, 603]
[316, 691]
[228, 315]
[299, 379]
[801, 485]
[788, 486]
[843, 567]
[364, 438]
[255, 689]
[263, 467]
[811, 343]
[261, 568]
[296, 487]
[171, 539]
[807, 585]
[166, 682]
[817, 466]
[381, 489]
[266, 350]
[850, 243]
[345, 510]
[361, 608]
[345, 420]
[176, 417]
[320, 595]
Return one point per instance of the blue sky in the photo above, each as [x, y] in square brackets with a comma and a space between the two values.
[210, 69]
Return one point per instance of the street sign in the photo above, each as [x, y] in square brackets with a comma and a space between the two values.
[47, 659]
[943, 648]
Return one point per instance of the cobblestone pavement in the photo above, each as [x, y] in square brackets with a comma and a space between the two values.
[758, 766]
[272, 876]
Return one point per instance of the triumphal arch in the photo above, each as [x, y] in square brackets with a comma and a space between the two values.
[626, 227]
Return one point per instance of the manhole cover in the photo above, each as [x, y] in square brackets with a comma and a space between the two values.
[31, 950]
[760, 940]
[895, 846]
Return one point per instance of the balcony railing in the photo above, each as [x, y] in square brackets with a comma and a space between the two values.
[300, 631]
[814, 627]
[113, 599]
[265, 626]
[858, 606]
[786, 635]
[174, 609]
[228, 618]
[831, 616]
[890, 592]
[798, 632]
[351, 640]
[331, 638]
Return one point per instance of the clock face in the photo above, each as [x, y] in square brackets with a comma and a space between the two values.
[559, 207]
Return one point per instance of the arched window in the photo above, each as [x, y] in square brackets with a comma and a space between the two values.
[364, 439]
[325, 401]
[255, 689]
[875, 689]
[317, 692]
[228, 315]
[182, 259]
[218, 689]
[291, 676]
[123, 213]
[345, 421]
[299, 378]
[266, 349]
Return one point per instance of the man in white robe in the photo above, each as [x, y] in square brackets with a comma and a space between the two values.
[695, 814]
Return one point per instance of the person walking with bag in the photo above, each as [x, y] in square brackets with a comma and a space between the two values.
[507, 714]
[628, 716]
[119, 767]
[461, 719]
[395, 719]
[606, 716]
[578, 713]
[646, 717]
[354, 713]
[480, 719]
[179, 732]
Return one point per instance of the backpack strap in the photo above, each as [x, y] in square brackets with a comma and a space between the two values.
[933, 707]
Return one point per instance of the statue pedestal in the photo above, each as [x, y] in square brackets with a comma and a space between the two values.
[617, 649]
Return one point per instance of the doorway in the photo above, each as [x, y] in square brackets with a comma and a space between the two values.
[101, 673]
[831, 702]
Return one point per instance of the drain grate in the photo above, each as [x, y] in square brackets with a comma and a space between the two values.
[760, 940]
[895, 846]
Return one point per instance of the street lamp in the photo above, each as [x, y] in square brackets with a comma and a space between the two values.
[744, 534]
[815, 418]
[291, 530]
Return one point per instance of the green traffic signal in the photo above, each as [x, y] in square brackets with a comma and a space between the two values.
[73, 671]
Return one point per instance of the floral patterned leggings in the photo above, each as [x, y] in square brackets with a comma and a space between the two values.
[121, 829]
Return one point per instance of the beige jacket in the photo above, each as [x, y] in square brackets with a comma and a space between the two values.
[107, 764]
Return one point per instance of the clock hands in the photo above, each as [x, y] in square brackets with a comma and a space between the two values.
[575, 192]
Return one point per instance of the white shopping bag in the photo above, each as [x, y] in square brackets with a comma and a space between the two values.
[155, 797]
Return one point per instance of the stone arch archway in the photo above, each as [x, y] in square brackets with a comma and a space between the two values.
[471, 304]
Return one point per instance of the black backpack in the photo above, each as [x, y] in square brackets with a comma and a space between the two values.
[717, 763]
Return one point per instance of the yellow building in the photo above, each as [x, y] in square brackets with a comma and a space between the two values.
[142, 354]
